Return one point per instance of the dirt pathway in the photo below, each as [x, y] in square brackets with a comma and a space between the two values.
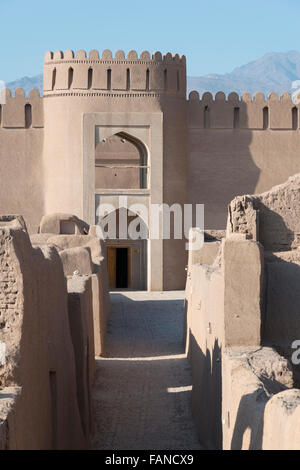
[142, 389]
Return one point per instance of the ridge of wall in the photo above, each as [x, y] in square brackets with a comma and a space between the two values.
[246, 112]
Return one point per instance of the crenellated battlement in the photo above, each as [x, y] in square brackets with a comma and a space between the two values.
[246, 112]
[107, 55]
[66, 73]
[20, 111]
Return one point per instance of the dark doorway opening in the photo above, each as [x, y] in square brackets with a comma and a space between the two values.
[122, 268]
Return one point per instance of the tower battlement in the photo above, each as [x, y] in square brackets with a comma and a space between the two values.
[66, 73]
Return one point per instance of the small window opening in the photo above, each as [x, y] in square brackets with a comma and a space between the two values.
[109, 79]
[90, 78]
[206, 117]
[70, 77]
[28, 116]
[236, 118]
[148, 80]
[53, 79]
[128, 79]
[295, 118]
[266, 117]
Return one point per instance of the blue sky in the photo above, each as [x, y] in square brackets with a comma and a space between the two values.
[215, 35]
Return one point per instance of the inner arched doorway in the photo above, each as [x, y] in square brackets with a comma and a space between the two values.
[121, 163]
[126, 257]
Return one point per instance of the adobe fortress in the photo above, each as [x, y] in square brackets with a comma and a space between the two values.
[114, 126]
[110, 126]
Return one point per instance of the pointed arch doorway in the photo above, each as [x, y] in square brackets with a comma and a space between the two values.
[121, 163]
[145, 132]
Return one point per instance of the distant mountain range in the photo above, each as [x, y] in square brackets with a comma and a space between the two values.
[275, 71]
[27, 83]
[272, 72]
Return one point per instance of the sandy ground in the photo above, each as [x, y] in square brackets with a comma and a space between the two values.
[142, 388]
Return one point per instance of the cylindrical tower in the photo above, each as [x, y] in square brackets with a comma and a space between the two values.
[88, 99]
[66, 75]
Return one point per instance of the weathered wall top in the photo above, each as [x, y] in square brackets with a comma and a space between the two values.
[65, 72]
[270, 217]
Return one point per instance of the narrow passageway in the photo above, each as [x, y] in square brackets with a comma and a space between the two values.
[142, 388]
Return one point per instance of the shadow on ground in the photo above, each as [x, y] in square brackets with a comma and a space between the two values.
[143, 387]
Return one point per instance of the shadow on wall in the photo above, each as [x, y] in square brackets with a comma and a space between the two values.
[282, 306]
[207, 393]
[220, 153]
[81, 344]
[249, 423]
[250, 418]
[281, 281]
[281, 298]
[273, 232]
